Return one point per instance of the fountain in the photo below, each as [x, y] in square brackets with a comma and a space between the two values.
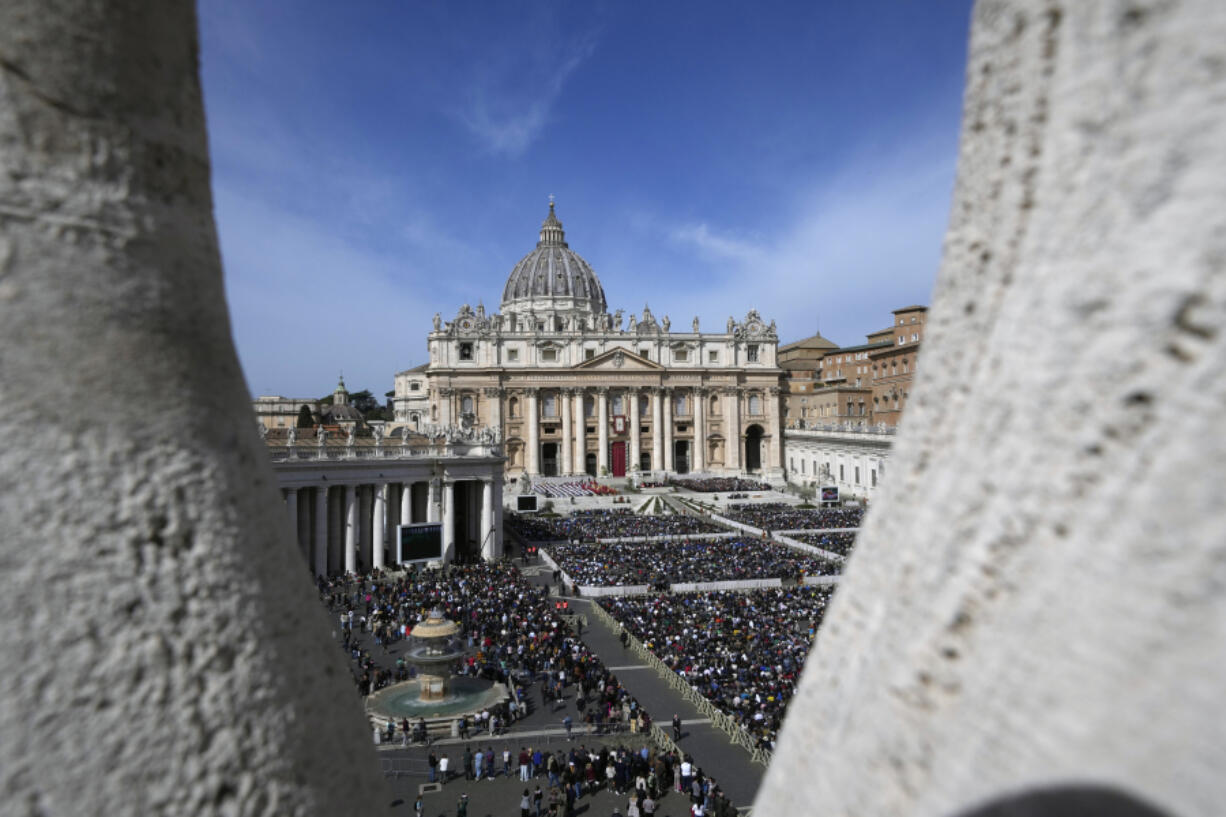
[434, 646]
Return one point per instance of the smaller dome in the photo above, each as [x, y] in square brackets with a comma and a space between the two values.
[553, 272]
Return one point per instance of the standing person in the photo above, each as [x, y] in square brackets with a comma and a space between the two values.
[525, 805]
[478, 762]
[676, 727]
[524, 760]
[506, 760]
[444, 766]
[567, 723]
[537, 797]
[461, 806]
[468, 763]
[433, 761]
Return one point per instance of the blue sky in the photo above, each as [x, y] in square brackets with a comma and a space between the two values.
[377, 162]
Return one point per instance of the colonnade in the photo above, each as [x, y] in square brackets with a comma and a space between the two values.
[351, 527]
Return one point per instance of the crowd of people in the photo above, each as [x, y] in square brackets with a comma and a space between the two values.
[840, 543]
[718, 485]
[699, 560]
[782, 516]
[514, 633]
[589, 487]
[609, 523]
[743, 651]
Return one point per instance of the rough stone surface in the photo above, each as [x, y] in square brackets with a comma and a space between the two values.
[1039, 595]
[163, 653]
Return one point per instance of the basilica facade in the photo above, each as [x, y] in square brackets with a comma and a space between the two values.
[571, 389]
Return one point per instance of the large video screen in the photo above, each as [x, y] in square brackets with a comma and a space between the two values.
[525, 503]
[420, 542]
[830, 493]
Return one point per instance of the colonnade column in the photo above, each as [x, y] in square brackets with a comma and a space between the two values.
[657, 431]
[565, 467]
[666, 407]
[321, 530]
[378, 533]
[432, 501]
[291, 508]
[732, 446]
[487, 520]
[532, 462]
[698, 456]
[776, 446]
[351, 529]
[635, 430]
[497, 511]
[448, 521]
[580, 433]
[602, 430]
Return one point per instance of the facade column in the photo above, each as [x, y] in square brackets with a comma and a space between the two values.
[698, 453]
[657, 431]
[406, 503]
[321, 530]
[732, 410]
[488, 546]
[378, 529]
[497, 518]
[448, 521]
[432, 514]
[291, 509]
[444, 406]
[632, 398]
[493, 397]
[602, 430]
[532, 462]
[351, 529]
[666, 406]
[566, 466]
[776, 446]
[580, 432]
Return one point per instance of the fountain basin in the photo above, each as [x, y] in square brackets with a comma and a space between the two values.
[463, 696]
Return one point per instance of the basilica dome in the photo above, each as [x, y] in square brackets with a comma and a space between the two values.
[553, 276]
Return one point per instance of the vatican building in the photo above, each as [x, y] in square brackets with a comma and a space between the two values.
[574, 390]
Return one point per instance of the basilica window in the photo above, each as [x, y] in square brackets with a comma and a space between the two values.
[619, 404]
[681, 355]
[588, 354]
[755, 404]
[466, 351]
[513, 355]
[644, 405]
[712, 356]
[550, 405]
[466, 404]
[645, 352]
[751, 353]
[414, 387]
[589, 407]
[680, 405]
[549, 355]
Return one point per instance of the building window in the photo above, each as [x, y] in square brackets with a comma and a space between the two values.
[466, 404]
[645, 352]
[712, 356]
[680, 405]
[681, 355]
[589, 407]
[714, 405]
[840, 472]
[619, 406]
[802, 466]
[644, 405]
[550, 404]
[414, 387]
[792, 463]
[588, 354]
[755, 404]
[872, 474]
[857, 475]
[466, 351]
[513, 355]
[751, 353]
[549, 355]
[513, 407]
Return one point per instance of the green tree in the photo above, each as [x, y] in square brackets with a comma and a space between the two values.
[305, 418]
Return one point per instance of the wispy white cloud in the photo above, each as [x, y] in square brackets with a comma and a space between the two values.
[510, 102]
[715, 247]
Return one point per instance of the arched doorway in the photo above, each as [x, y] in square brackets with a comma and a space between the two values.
[753, 448]
[681, 456]
[589, 465]
[618, 459]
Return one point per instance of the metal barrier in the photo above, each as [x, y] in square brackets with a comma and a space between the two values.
[736, 733]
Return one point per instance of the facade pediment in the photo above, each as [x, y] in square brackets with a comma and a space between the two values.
[620, 360]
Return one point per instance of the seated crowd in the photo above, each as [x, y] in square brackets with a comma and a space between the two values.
[514, 632]
[718, 485]
[840, 543]
[781, 516]
[743, 651]
[660, 564]
[616, 523]
[588, 487]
